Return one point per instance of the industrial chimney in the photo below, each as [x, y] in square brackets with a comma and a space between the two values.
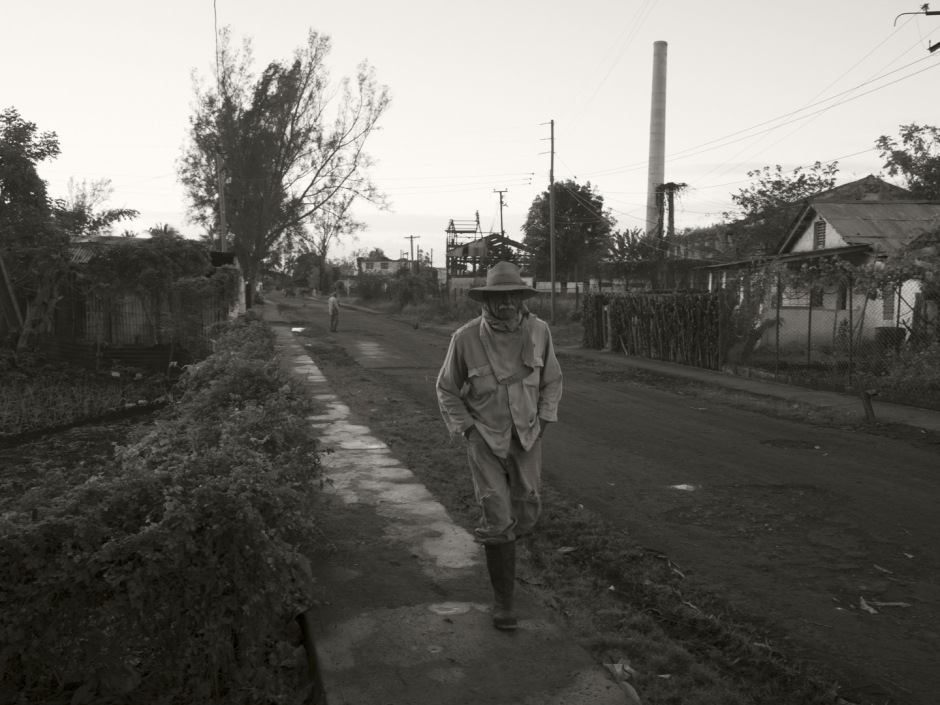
[657, 161]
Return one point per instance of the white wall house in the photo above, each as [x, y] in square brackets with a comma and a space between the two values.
[381, 266]
[862, 233]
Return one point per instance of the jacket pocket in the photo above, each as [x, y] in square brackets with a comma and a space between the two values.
[535, 378]
[482, 380]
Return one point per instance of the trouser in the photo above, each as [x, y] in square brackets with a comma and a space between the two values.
[334, 321]
[507, 489]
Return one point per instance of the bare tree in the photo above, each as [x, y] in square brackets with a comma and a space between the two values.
[292, 146]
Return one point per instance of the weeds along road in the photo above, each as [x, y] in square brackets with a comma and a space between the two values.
[793, 521]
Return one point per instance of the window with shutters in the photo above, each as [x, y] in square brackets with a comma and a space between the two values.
[819, 235]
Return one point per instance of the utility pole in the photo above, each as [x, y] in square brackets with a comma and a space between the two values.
[412, 238]
[501, 230]
[220, 171]
[551, 217]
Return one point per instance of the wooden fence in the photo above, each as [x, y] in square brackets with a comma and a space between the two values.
[686, 328]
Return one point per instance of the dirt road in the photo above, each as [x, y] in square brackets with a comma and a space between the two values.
[804, 524]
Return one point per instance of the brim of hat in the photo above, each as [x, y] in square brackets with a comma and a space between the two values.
[478, 293]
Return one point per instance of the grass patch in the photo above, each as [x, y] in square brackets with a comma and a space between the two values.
[688, 644]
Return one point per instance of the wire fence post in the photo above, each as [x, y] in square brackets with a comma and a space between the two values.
[779, 296]
[809, 331]
[851, 340]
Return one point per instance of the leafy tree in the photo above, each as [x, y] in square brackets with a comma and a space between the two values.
[582, 230]
[163, 229]
[766, 208]
[35, 231]
[916, 158]
[291, 145]
[328, 227]
[82, 214]
[628, 250]
[34, 249]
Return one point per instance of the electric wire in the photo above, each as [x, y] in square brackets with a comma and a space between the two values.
[878, 74]
[691, 151]
[616, 61]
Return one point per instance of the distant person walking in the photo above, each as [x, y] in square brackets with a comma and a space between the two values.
[334, 312]
[500, 386]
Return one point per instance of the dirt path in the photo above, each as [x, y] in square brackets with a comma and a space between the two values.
[795, 522]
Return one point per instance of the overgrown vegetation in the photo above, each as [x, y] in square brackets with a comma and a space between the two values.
[36, 399]
[170, 573]
[174, 283]
[36, 230]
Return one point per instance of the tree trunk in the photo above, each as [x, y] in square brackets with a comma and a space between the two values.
[40, 310]
[251, 283]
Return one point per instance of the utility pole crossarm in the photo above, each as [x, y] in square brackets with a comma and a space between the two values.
[925, 10]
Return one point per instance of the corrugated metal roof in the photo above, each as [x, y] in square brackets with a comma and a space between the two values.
[82, 252]
[886, 226]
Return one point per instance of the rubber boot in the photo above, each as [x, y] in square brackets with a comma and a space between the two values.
[501, 564]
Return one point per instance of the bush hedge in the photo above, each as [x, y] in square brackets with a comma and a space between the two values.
[170, 574]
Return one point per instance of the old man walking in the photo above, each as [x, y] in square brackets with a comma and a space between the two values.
[500, 386]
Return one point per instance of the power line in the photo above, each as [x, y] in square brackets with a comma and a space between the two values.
[623, 49]
[878, 74]
[690, 152]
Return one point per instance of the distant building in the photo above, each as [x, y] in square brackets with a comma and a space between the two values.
[382, 266]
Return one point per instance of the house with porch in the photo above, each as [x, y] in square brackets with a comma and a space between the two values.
[863, 234]
[802, 317]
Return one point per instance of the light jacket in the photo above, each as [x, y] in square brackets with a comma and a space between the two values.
[469, 394]
[334, 305]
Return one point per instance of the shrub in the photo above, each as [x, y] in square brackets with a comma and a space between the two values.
[913, 369]
[168, 574]
[370, 287]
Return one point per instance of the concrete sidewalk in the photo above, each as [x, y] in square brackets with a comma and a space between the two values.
[404, 600]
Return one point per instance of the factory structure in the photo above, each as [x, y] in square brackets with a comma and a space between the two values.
[470, 252]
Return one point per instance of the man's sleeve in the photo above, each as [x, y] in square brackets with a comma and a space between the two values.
[450, 381]
[550, 385]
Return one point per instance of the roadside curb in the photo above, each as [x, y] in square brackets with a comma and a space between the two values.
[885, 412]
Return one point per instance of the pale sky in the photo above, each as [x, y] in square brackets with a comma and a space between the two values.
[474, 84]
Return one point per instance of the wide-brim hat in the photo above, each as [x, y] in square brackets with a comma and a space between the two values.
[502, 277]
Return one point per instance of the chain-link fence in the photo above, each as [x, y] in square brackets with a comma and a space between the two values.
[837, 330]
[825, 328]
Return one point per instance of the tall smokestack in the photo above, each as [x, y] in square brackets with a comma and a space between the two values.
[657, 161]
